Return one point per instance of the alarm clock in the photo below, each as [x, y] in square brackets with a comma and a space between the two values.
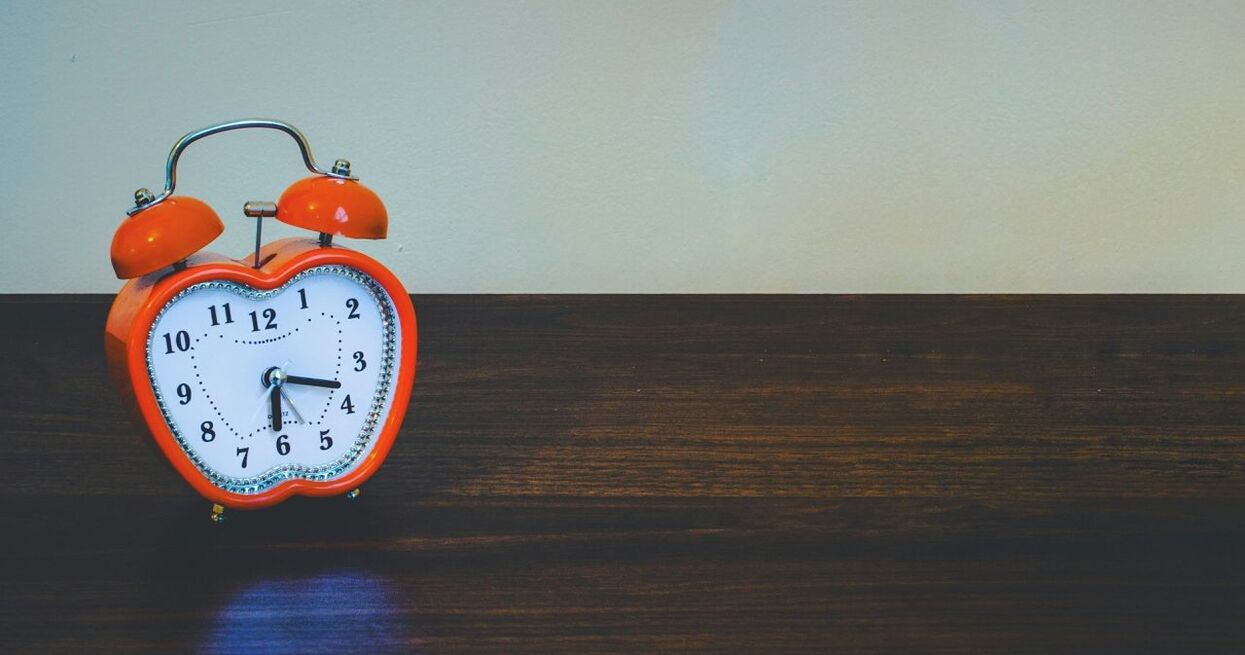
[286, 372]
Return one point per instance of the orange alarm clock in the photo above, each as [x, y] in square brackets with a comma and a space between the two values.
[287, 372]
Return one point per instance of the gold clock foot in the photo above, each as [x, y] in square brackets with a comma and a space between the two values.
[353, 493]
[218, 514]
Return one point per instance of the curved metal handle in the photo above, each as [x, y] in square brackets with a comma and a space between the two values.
[170, 168]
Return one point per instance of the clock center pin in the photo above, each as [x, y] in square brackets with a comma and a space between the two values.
[273, 377]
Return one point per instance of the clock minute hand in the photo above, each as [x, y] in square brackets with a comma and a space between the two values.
[275, 396]
[313, 382]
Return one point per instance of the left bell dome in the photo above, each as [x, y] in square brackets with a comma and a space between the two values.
[161, 234]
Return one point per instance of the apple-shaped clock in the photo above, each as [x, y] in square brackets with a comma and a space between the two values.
[287, 372]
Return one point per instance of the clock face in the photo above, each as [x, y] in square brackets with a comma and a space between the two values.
[320, 350]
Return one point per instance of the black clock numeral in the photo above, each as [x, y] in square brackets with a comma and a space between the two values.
[347, 405]
[182, 341]
[245, 453]
[183, 392]
[270, 314]
[353, 305]
[283, 445]
[326, 441]
[227, 312]
[302, 297]
[360, 363]
[208, 433]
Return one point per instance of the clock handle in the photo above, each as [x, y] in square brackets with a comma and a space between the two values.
[144, 199]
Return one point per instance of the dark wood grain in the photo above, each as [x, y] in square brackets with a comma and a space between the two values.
[675, 474]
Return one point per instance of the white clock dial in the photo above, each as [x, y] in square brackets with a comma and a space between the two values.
[327, 338]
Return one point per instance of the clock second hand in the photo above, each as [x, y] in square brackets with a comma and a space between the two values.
[314, 382]
[297, 413]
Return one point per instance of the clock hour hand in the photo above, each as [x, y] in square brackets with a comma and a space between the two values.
[275, 396]
[314, 382]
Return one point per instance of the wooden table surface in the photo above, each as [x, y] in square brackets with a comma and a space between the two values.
[753, 474]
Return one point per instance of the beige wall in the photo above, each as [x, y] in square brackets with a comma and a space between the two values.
[654, 147]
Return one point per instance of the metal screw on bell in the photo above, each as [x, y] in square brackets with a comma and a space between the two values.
[340, 167]
[143, 197]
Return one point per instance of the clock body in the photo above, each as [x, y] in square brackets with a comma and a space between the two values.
[194, 351]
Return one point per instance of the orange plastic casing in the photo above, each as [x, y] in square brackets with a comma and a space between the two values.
[139, 302]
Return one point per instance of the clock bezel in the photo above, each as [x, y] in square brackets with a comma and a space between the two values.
[267, 479]
[142, 300]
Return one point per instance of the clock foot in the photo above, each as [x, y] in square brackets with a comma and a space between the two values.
[353, 493]
[218, 514]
